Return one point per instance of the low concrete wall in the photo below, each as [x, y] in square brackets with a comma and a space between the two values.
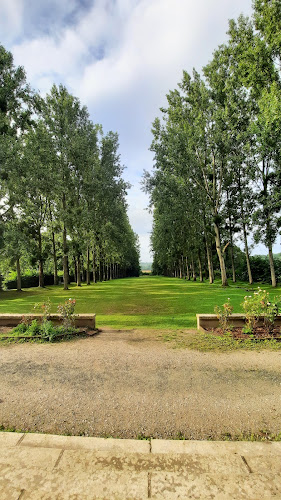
[81, 320]
[205, 321]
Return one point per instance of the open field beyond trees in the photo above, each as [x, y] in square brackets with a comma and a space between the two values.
[144, 302]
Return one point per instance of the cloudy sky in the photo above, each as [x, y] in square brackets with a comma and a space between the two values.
[120, 57]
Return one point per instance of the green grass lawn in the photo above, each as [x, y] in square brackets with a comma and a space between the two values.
[144, 302]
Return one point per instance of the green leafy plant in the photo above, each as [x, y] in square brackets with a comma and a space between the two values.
[223, 314]
[66, 310]
[258, 305]
[44, 308]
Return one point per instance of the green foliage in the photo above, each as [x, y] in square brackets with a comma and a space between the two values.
[258, 305]
[66, 310]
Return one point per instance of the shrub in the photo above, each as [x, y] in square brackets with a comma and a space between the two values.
[258, 305]
[66, 310]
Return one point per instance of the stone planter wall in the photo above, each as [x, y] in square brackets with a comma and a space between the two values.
[81, 320]
[206, 321]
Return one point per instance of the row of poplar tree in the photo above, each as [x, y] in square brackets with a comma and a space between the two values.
[61, 188]
[217, 153]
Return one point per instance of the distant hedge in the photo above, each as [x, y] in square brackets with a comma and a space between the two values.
[29, 281]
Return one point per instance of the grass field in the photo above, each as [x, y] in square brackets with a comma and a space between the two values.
[144, 302]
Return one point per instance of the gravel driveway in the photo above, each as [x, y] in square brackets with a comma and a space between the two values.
[127, 384]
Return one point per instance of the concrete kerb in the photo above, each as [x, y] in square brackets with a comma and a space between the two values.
[153, 446]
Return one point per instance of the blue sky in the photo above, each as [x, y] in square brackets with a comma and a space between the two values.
[120, 57]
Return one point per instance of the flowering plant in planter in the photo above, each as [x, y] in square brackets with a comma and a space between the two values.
[258, 305]
[67, 312]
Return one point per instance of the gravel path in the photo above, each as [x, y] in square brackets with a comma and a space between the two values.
[125, 384]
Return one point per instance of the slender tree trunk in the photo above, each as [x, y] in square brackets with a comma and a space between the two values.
[56, 279]
[247, 253]
[75, 269]
[200, 268]
[65, 261]
[187, 269]
[220, 256]
[100, 277]
[94, 267]
[271, 264]
[208, 251]
[18, 275]
[41, 272]
[88, 267]
[231, 239]
[78, 267]
[180, 269]
[250, 278]
[210, 263]
[82, 270]
[193, 269]
[232, 263]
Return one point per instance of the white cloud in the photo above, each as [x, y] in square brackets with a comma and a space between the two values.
[11, 16]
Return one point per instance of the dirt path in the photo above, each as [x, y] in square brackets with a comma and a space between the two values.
[125, 384]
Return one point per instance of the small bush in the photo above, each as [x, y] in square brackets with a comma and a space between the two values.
[258, 305]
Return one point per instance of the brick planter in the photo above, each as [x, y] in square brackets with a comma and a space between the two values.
[81, 320]
[206, 321]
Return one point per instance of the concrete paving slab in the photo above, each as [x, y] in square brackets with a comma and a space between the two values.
[261, 464]
[55, 483]
[23, 458]
[87, 443]
[221, 487]
[42, 495]
[102, 485]
[8, 491]
[82, 460]
[10, 438]
[215, 448]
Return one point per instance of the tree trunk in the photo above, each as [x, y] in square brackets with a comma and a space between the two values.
[88, 267]
[78, 267]
[94, 267]
[232, 263]
[271, 264]
[220, 256]
[193, 270]
[200, 268]
[41, 273]
[210, 263]
[18, 275]
[56, 279]
[65, 253]
[187, 269]
[247, 253]
[65, 261]
[180, 269]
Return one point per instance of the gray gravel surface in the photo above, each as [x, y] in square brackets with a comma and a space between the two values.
[130, 383]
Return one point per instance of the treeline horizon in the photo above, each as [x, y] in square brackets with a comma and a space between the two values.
[62, 195]
[217, 155]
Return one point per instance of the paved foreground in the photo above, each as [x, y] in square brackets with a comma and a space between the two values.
[42, 466]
